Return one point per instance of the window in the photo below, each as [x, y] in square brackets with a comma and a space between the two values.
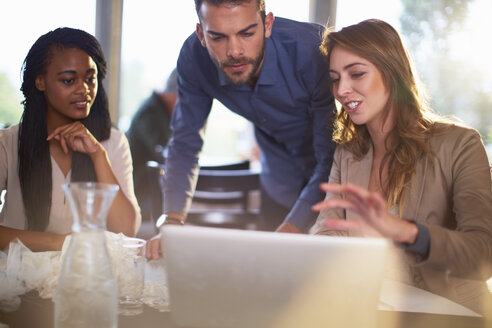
[446, 40]
[153, 33]
[22, 24]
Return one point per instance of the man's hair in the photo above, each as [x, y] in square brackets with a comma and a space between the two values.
[260, 4]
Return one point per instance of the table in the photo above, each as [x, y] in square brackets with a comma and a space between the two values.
[400, 306]
[37, 312]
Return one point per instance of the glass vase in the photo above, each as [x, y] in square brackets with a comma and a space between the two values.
[87, 294]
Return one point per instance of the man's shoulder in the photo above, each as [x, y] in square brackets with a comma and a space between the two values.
[285, 29]
[298, 39]
[192, 47]
[193, 57]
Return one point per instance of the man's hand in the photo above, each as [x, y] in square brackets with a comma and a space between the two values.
[288, 227]
[153, 248]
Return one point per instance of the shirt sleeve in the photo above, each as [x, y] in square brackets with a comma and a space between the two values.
[121, 162]
[421, 246]
[321, 110]
[465, 251]
[187, 123]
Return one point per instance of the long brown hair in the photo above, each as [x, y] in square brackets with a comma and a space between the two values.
[379, 43]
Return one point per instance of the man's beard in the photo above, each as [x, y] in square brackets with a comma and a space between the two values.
[250, 78]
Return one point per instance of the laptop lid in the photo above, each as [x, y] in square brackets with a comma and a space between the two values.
[237, 278]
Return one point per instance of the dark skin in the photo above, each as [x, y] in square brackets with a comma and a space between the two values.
[69, 85]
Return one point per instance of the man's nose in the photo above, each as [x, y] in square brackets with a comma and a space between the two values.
[235, 48]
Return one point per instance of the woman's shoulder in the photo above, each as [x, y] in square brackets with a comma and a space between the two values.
[116, 140]
[452, 132]
[10, 134]
[116, 134]
[10, 130]
[454, 140]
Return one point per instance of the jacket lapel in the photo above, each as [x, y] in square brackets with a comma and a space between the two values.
[359, 173]
[413, 196]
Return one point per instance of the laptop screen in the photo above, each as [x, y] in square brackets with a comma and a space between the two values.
[238, 278]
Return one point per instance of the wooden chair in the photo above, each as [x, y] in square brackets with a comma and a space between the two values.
[224, 198]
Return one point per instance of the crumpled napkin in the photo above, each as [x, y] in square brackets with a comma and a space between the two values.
[22, 270]
[11, 282]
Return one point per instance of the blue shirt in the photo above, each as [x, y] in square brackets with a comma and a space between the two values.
[291, 107]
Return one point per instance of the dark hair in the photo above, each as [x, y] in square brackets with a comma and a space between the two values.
[260, 4]
[34, 155]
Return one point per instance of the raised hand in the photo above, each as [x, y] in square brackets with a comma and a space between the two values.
[372, 210]
[75, 137]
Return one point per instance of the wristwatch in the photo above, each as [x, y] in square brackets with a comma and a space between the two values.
[165, 219]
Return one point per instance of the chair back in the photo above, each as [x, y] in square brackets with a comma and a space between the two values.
[155, 173]
[224, 197]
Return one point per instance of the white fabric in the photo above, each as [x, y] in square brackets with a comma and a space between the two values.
[12, 214]
[22, 271]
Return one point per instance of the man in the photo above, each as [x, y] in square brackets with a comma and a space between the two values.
[149, 132]
[271, 73]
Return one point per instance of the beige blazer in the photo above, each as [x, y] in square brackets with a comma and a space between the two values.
[451, 194]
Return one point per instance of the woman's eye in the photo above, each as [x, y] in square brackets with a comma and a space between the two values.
[358, 75]
[335, 80]
[91, 79]
[67, 81]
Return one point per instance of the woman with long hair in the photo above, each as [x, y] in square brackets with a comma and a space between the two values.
[402, 172]
[64, 135]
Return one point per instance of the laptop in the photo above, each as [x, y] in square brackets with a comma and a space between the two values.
[238, 278]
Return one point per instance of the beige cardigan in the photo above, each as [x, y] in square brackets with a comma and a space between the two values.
[451, 194]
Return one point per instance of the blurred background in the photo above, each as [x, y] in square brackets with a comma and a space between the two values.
[448, 40]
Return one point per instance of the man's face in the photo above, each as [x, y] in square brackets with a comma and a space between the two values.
[235, 39]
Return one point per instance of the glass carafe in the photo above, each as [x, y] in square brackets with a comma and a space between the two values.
[87, 294]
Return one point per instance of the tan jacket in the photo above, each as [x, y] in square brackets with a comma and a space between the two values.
[451, 194]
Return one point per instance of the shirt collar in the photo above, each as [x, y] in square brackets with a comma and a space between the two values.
[268, 74]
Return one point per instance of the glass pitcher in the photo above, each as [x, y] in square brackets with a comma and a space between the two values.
[87, 294]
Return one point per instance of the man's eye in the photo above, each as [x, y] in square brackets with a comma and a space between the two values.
[217, 38]
[247, 34]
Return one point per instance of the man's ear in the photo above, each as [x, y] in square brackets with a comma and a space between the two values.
[39, 82]
[269, 19]
[199, 34]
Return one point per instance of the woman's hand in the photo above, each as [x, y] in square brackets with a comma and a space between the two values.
[76, 137]
[371, 208]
